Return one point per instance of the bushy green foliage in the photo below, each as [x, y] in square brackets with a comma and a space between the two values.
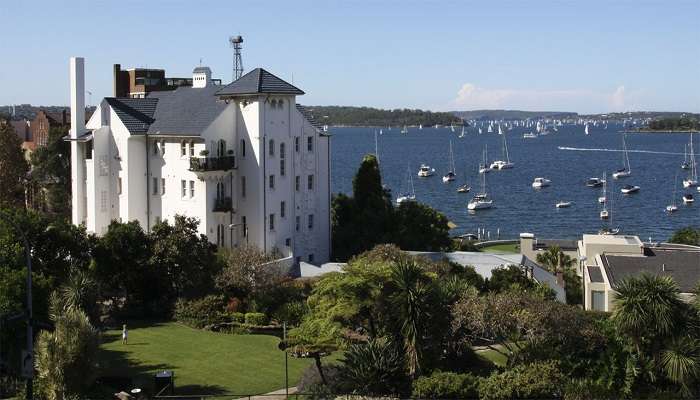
[257, 319]
[199, 313]
[540, 380]
[688, 235]
[66, 358]
[446, 385]
[675, 124]
[51, 174]
[369, 218]
[13, 167]
[375, 368]
[292, 313]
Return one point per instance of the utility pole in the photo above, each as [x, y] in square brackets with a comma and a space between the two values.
[286, 362]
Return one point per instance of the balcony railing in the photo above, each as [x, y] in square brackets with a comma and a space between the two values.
[203, 164]
[223, 204]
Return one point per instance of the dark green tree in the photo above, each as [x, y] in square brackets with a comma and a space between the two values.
[687, 235]
[51, 174]
[420, 227]
[13, 167]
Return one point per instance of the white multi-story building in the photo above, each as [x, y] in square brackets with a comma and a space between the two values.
[244, 159]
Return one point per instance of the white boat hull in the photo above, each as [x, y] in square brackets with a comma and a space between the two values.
[688, 183]
[623, 174]
[480, 205]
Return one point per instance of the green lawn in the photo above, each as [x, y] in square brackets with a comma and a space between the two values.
[501, 248]
[492, 355]
[204, 362]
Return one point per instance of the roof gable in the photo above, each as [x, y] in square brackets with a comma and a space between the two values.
[135, 113]
[258, 81]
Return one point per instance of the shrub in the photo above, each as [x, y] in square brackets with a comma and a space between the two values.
[524, 381]
[233, 305]
[291, 313]
[446, 385]
[237, 317]
[199, 313]
[375, 368]
[258, 319]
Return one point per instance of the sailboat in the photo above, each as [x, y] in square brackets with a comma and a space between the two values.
[585, 130]
[481, 200]
[692, 180]
[500, 131]
[671, 208]
[604, 214]
[410, 195]
[503, 164]
[484, 166]
[461, 135]
[404, 130]
[626, 170]
[686, 163]
[450, 175]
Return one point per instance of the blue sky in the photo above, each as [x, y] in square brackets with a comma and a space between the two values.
[585, 56]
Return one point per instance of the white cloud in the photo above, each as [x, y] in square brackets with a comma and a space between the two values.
[472, 97]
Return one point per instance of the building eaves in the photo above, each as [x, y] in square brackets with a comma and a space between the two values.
[258, 81]
[135, 113]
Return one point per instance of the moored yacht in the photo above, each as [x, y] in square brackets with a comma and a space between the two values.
[563, 204]
[425, 171]
[410, 194]
[688, 198]
[626, 170]
[464, 189]
[450, 175]
[594, 182]
[505, 163]
[629, 189]
[541, 182]
[481, 200]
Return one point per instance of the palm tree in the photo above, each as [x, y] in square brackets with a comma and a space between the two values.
[410, 300]
[555, 260]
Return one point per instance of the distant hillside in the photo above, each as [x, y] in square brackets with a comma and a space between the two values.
[642, 115]
[366, 116]
[512, 114]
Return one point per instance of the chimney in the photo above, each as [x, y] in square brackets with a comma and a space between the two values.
[77, 96]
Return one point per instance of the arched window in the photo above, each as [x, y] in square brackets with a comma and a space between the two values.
[162, 147]
[222, 148]
[191, 148]
[273, 103]
[183, 148]
[280, 104]
[271, 147]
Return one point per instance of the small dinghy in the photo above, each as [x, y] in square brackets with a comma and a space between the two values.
[563, 204]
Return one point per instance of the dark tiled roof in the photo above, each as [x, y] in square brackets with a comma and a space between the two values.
[682, 265]
[185, 110]
[135, 114]
[201, 69]
[258, 81]
[307, 115]
[595, 274]
[565, 245]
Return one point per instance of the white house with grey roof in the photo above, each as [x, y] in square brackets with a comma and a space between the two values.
[244, 159]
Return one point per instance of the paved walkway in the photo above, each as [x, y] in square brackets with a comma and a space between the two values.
[276, 395]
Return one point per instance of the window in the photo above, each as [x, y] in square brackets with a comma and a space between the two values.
[271, 147]
[162, 186]
[88, 150]
[310, 143]
[183, 183]
[273, 103]
[297, 224]
[272, 222]
[282, 167]
[191, 149]
[282, 209]
[280, 104]
[282, 150]
[311, 258]
[162, 147]
[119, 185]
[103, 201]
[288, 242]
[297, 182]
[272, 181]
[191, 188]
[311, 222]
[183, 148]
[220, 235]
[155, 186]
[598, 300]
[296, 144]
[242, 147]
[155, 147]
[245, 226]
[310, 182]
[243, 186]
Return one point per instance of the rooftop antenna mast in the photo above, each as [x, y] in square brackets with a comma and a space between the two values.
[237, 43]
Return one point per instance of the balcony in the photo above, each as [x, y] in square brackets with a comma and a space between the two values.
[223, 204]
[206, 164]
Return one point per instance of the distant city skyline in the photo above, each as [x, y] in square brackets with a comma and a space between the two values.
[586, 57]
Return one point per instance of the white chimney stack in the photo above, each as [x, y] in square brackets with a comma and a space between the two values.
[77, 96]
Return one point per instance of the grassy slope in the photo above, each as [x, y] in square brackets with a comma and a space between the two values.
[204, 362]
[501, 248]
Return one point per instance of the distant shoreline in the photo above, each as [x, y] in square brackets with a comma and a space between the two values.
[657, 131]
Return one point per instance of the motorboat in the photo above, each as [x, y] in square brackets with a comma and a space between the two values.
[530, 135]
[601, 199]
[540, 183]
[425, 171]
[604, 214]
[595, 182]
[609, 231]
[464, 189]
[563, 204]
[688, 198]
[671, 208]
[449, 177]
[629, 189]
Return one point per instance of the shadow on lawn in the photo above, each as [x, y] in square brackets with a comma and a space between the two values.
[118, 372]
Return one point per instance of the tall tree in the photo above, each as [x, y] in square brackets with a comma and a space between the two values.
[687, 235]
[51, 173]
[13, 167]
